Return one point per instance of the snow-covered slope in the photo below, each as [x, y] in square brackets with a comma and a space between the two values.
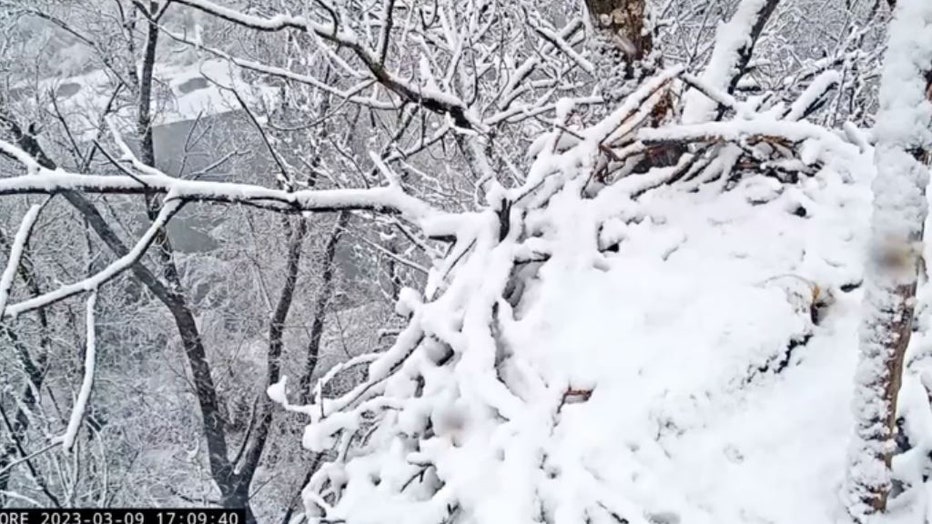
[183, 92]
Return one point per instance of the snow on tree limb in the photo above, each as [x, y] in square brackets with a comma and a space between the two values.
[350, 94]
[432, 99]
[904, 141]
[16, 252]
[391, 198]
[79, 410]
[92, 283]
[17, 154]
[734, 43]
[738, 129]
[557, 41]
[819, 86]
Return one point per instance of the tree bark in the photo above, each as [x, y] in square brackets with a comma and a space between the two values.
[233, 488]
[623, 23]
[297, 231]
[904, 141]
[320, 305]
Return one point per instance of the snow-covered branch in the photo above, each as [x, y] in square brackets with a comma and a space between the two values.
[900, 207]
[391, 198]
[93, 282]
[790, 132]
[79, 410]
[734, 43]
[16, 252]
[433, 100]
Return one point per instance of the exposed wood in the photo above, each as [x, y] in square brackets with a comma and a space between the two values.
[892, 273]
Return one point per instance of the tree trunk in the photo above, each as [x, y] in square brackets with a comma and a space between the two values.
[234, 491]
[622, 22]
[297, 231]
[237, 496]
[904, 141]
[320, 306]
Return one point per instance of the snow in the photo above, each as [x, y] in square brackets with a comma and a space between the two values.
[267, 24]
[87, 383]
[668, 343]
[735, 130]
[16, 253]
[674, 354]
[667, 362]
[278, 391]
[905, 108]
[900, 209]
[390, 198]
[819, 86]
[680, 419]
[681, 379]
[193, 89]
[93, 282]
[730, 38]
[276, 22]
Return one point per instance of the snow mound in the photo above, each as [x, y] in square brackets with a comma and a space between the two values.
[703, 361]
[670, 381]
